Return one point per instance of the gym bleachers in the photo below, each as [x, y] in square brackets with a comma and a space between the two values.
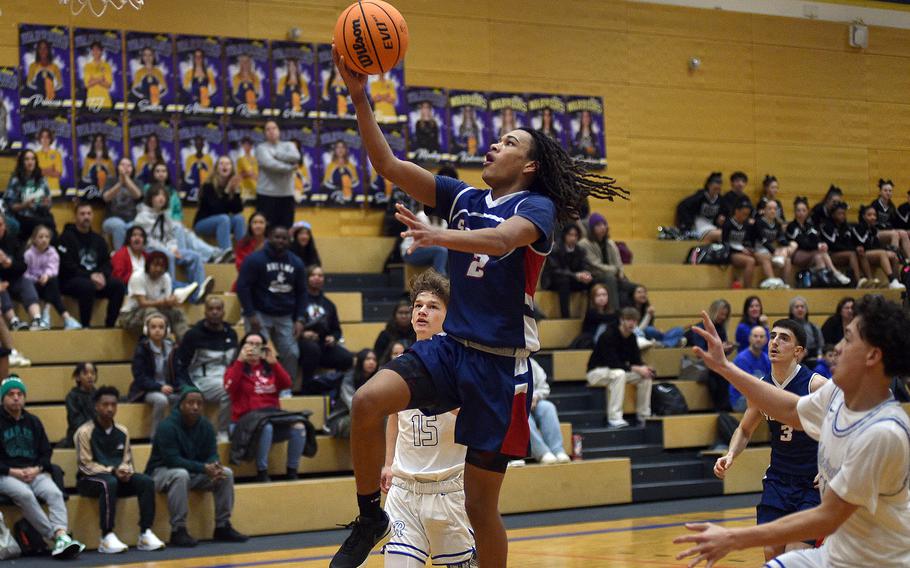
[629, 464]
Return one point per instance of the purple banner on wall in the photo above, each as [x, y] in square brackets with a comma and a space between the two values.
[10, 126]
[380, 189]
[341, 162]
[98, 60]
[296, 90]
[470, 120]
[199, 143]
[152, 141]
[241, 147]
[308, 177]
[547, 114]
[247, 79]
[199, 70]
[334, 101]
[508, 111]
[52, 141]
[151, 78]
[387, 91]
[44, 55]
[428, 138]
[99, 145]
[586, 130]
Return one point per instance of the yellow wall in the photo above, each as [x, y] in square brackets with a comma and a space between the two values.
[773, 95]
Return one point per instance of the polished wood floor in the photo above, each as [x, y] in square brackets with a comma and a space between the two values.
[627, 543]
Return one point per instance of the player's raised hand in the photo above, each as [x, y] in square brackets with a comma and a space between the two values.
[356, 82]
[721, 466]
[712, 543]
[424, 235]
[714, 356]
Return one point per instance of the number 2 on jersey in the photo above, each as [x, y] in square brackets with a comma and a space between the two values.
[425, 431]
[786, 433]
[475, 269]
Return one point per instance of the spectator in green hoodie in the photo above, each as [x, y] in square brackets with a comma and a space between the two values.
[185, 457]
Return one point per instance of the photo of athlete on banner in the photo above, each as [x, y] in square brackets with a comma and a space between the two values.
[99, 145]
[241, 143]
[308, 175]
[200, 144]
[508, 111]
[44, 59]
[10, 126]
[380, 189]
[150, 142]
[150, 61]
[98, 58]
[334, 101]
[294, 76]
[547, 114]
[341, 161]
[586, 130]
[468, 112]
[199, 73]
[52, 141]
[247, 76]
[387, 91]
[428, 135]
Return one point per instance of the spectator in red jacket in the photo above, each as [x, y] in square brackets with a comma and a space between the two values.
[253, 381]
[131, 257]
[256, 229]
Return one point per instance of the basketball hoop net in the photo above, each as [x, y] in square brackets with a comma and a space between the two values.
[97, 7]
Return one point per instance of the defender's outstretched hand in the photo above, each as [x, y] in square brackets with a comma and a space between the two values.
[714, 356]
[712, 543]
[356, 82]
[424, 235]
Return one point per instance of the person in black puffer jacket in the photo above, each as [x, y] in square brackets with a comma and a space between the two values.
[322, 343]
[566, 269]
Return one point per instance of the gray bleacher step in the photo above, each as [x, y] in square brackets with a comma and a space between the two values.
[636, 452]
[584, 418]
[668, 471]
[665, 490]
[608, 437]
[355, 282]
[566, 401]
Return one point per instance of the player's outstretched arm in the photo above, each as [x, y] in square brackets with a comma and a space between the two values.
[776, 403]
[416, 181]
[741, 437]
[713, 542]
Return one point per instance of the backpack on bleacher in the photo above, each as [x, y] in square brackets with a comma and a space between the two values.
[29, 539]
[666, 400]
[711, 254]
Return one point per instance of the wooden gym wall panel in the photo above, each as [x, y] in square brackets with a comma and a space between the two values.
[889, 41]
[893, 78]
[889, 128]
[809, 170]
[890, 161]
[811, 121]
[687, 22]
[812, 73]
[792, 32]
[690, 114]
[612, 16]
[662, 61]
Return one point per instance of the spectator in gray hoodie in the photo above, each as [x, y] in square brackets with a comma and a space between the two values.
[275, 190]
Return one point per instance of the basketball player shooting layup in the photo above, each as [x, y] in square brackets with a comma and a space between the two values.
[424, 467]
[498, 241]
[863, 452]
[789, 484]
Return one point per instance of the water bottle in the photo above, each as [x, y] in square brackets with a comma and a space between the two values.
[576, 447]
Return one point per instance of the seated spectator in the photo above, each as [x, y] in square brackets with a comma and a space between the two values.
[702, 214]
[304, 245]
[122, 196]
[186, 239]
[185, 457]
[753, 315]
[151, 292]
[546, 436]
[28, 197]
[253, 381]
[253, 240]
[153, 374]
[889, 233]
[396, 349]
[770, 245]
[322, 343]
[810, 250]
[25, 466]
[737, 193]
[770, 187]
[737, 235]
[827, 362]
[9, 355]
[85, 268]
[598, 318]
[271, 288]
[673, 337]
[220, 211]
[12, 273]
[365, 366]
[566, 269]
[603, 259]
[719, 313]
[823, 211]
[434, 256]
[106, 472]
[902, 219]
[616, 361]
[834, 326]
[130, 259]
[870, 250]
[837, 235]
[80, 406]
[799, 312]
[203, 356]
[42, 263]
[754, 361]
[398, 328]
[162, 236]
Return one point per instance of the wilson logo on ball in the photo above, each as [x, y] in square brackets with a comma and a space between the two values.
[360, 46]
[371, 36]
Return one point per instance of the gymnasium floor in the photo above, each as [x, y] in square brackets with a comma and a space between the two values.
[615, 537]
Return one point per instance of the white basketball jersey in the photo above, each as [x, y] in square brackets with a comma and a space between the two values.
[425, 449]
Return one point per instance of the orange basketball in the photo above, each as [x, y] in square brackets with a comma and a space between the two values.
[372, 36]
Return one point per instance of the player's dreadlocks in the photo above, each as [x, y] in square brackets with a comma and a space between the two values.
[565, 180]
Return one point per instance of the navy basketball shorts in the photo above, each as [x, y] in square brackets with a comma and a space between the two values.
[493, 392]
[786, 494]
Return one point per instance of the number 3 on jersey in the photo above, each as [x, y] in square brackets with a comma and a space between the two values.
[786, 433]
[475, 269]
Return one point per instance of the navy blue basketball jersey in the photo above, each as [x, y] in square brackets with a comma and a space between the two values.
[492, 298]
[793, 452]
